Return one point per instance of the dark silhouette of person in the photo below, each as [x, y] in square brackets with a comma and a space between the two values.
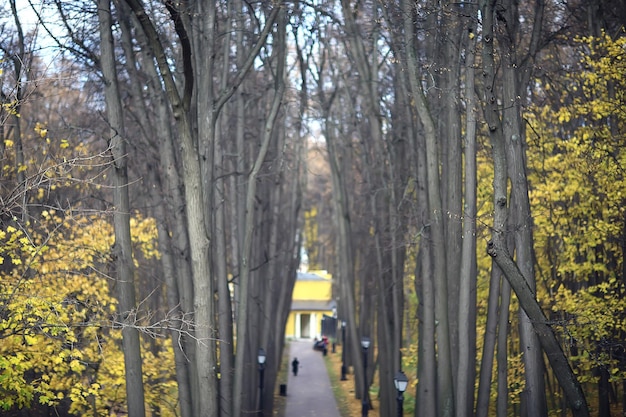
[295, 364]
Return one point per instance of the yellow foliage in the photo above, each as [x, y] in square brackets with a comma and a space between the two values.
[56, 341]
[578, 186]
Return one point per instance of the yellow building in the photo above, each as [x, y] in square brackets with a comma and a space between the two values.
[312, 299]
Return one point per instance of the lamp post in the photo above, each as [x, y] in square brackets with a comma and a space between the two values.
[365, 344]
[343, 351]
[261, 361]
[401, 382]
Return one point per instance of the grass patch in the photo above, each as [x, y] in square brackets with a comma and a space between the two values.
[343, 390]
[348, 404]
[280, 402]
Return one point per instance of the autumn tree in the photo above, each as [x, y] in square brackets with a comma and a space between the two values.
[121, 219]
[503, 135]
[580, 209]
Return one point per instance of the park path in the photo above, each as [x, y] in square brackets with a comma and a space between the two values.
[309, 394]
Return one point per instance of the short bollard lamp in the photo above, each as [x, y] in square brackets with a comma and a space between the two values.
[401, 382]
[261, 360]
[365, 344]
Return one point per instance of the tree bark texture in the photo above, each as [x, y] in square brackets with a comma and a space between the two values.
[467, 280]
[125, 283]
[204, 404]
[445, 390]
[497, 248]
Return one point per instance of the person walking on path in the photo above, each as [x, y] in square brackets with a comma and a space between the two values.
[310, 395]
[295, 364]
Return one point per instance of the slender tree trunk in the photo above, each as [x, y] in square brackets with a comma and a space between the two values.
[171, 229]
[242, 332]
[450, 145]
[205, 401]
[121, 219]
[502, 355]
[176, 319]
[225, 341]
[427, 390]
[497, 246]
[274, 278]
[445, 391]
[466, 362]
[224, 307]
[426, 402]
[19, 61]
[489, 344]
[345, 250]
[379, 175]
[534, 398]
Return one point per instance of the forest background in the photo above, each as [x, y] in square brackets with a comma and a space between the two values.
[457, 166]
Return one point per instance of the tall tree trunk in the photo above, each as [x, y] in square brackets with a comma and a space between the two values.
[171, 229]
[502, 353]
[206, 398]
[121, 219]
[497, 246]
[534, 399]
[19, 61]
[274, 280]
[489, 344]
[243, 338]
[225, 340]
[224, 307]
[426, 396]
[450, 146]
[176, 319]
[379, 175]
[445, 391]
[467, 306]
[345, 250]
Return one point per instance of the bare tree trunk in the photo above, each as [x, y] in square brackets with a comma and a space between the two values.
[445, 391]
[345, 250]
[534, 399]
[275, 280]
[176, 318]
[167, 206]
[19, 66]
[121, 218]
[497, 246]
[225, 340]
[427, 359]
[382, 173]
[205, 401]
[502, 355]
[466, 362]
[450, 140]
[243, 339]
[224, 308]
[489, 345]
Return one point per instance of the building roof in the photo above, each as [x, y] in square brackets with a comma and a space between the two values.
[310, 276]
[313, 305]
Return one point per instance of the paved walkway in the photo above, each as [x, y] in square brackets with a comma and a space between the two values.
[309, 394]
